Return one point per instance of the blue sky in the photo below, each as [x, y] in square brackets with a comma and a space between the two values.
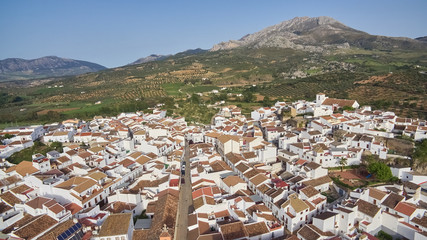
[115, 33]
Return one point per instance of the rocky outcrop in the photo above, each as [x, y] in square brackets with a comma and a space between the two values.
[316, 35]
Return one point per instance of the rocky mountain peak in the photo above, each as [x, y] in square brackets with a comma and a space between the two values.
[317, 34]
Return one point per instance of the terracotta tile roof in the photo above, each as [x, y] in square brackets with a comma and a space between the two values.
[97, 175]
[251, 173]
[308, 233]
[126, 162]
[232, 180]
[71, 182]
[140, 234]
[151, 206]
[248, 155]
[258, 179]
[392, 200]
[225, 138]
[263, 188]
[36, 227]
[309, 191]
[242, 167]
[420, 221]
[367, 208]
[200, 201]
[4, 207]
[84, 186]
[377, 194]
[256, 229]
[63, 159]
[219, 165]
[212, 134]
[325, 215]
[73, 208]
[320, 232]
[261, 208]
[10, 198]
[23, 168]
[234, 230]
[9, 180]
[58, 230]
[240, 213]
[220, 214]
[135, 155]
[405, 208]
[111, 228]
[292, 237]
[411, 226]
[39, 202]
[142, 159]
[192, 219]
[20, 223]
[318, 181]
[120, 207]
[341, 209]
[84, 154]
[148, 184]
[296, 203]
[312, 165]
[204, 227]
[165, 213]
[71, 153]
[234, 158]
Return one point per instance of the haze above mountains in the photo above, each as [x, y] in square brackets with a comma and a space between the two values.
[317, 34]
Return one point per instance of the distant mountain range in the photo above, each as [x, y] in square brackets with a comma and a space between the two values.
[50, 66]
[317, 34]
[156, 57]
[422, 38]
[151, 58]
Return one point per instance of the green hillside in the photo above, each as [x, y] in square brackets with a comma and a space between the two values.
[276, 72]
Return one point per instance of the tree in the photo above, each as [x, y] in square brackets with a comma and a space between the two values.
[384, 236]
[420, 153]
[348, 108]
[57, 146]
[223, 97]
[248, 96]
[8, 136]
[343, 162]
[266, 102]
[195, 98]
[380, 170]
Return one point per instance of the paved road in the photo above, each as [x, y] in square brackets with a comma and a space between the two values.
[185, 204]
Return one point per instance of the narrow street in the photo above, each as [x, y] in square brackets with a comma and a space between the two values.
[185, 204]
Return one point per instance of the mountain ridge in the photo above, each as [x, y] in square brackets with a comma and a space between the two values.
[150, 58]
[316, 34]
[48, 66]
[159, 57]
